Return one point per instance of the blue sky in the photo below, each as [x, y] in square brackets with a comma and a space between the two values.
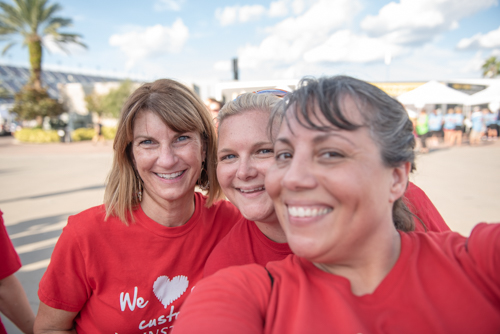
[283, 39]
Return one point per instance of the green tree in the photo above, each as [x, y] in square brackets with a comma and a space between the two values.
[491, 67]
[113, 102]
[31, 103]
[33, 20]
[94, 103]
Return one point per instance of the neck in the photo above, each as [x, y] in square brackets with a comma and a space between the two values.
[366, 269]
[272, 230]
[169, 213]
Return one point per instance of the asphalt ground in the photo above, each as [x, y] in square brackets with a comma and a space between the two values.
[41, 185]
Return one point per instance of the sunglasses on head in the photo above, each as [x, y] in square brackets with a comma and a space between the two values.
[276, 92]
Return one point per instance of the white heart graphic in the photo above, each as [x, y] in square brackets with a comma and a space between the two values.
[167, 290]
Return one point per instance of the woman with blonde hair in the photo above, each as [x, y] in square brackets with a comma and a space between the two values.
[127, 266]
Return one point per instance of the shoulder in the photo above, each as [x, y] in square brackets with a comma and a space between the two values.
[483, 244]
[221, 211]
[422, 207]
[230, 250]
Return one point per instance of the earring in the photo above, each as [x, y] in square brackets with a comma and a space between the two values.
[199, 182]
[139, 193]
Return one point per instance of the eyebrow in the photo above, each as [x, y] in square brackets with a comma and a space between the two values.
[258, 144]
[318, 139]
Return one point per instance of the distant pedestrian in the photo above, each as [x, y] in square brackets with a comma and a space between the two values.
[422, 129]
[449, 127]
[435, 126]
[98, 136]
[459, 125]
[490, 121]
[477, 128]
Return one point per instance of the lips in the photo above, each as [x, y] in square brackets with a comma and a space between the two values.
[250, 191]
[307, 212]
[170, 176]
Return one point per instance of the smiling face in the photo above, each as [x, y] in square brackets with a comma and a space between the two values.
[332, 193]
[244, 155]
[168, 162]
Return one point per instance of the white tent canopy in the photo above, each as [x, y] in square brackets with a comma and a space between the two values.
[488, 95]
[433, 92]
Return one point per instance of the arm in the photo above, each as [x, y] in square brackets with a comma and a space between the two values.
[53, 321]
[233, 300]
[15, 305]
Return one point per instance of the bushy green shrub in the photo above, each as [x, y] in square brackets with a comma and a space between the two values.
[109, 132]
[82, 134]
[37, 136]
[31, 102]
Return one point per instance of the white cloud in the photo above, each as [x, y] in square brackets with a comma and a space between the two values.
[291, 38]
[278, 8]
[151, 42]
[490, 40]
[173, 5]
[223, 66]
[418, 21]
[344, 46]
[242, 14]
[474, 64]
[66, 49]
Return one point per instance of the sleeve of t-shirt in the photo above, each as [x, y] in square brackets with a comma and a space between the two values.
[9, 260]
[233, 300]
[65, 285]
[421, 206]
[483, 246]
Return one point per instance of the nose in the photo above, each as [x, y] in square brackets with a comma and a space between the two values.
[246, 169]
[299, 174]
[167, 157]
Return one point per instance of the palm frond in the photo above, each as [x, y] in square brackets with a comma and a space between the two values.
[7, 47]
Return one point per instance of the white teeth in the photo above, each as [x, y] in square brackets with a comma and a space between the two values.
[170, 176]
[251, 190]
[301, 212]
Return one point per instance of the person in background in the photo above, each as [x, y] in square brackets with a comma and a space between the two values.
[13, 301]
[491, 124]
[449, 127]
[477, 128]
[343, 153]
[98, 136]
[128, 265]
[245, 152]
[435, 126]
[459, 126]
[213, 106]
[422, 129]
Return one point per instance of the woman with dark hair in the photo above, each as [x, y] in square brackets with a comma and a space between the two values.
[127, 266]
[245, 152]
[343, 153]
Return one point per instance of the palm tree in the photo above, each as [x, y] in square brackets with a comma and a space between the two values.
[491, 67]
[33, 20]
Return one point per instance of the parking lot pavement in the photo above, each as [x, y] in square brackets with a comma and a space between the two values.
[43, 184]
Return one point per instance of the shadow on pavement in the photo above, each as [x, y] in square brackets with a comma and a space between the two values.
[52, 194]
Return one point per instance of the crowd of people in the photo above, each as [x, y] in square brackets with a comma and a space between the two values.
[453, 128]
[294, 215]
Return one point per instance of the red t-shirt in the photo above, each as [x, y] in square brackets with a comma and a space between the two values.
[9, 260]
[441, 283]
[421, 206]
[131, 279]
[246, 244]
